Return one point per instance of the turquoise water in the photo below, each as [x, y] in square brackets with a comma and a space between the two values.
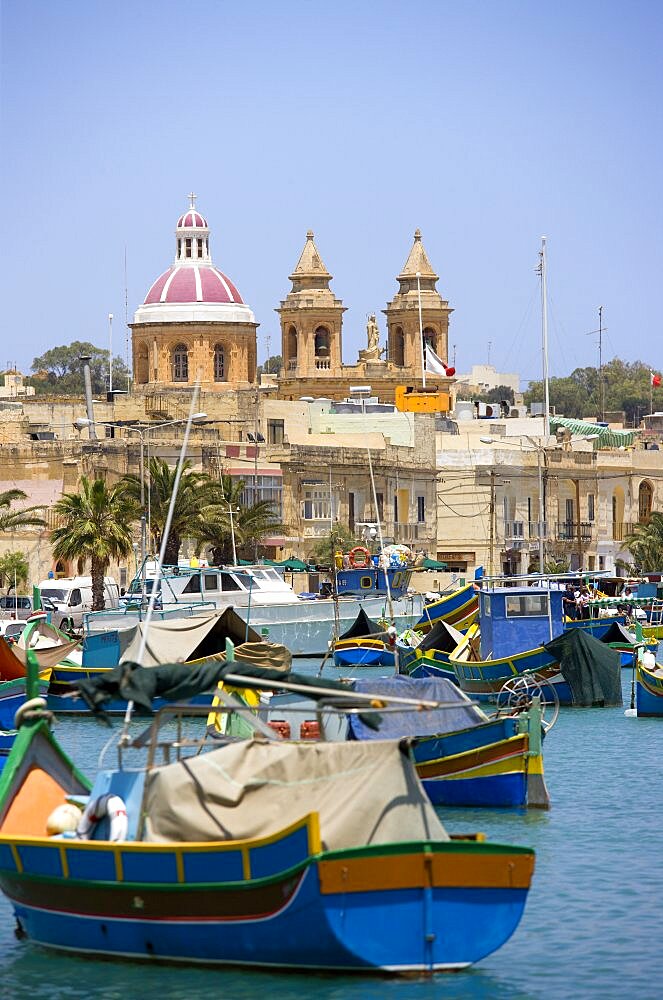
[593, 925]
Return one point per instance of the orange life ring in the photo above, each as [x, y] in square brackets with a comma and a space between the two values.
[359, 550]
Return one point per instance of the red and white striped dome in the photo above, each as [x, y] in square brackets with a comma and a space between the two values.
[193, 283]
[192, 220]
[193, 289]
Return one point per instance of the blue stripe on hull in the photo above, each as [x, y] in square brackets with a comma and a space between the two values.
[413, 929]
[494, 791]
[358, 657]
[70, 706]
[428, 670]
[646, 703]
[427, 748]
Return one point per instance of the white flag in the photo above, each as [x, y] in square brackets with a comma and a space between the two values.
[434, 364]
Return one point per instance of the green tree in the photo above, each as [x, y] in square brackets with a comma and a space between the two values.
[250, 524]
[14, 570]
[626, 387]
[60, 370]
[272, 365]
[95, 527]
[195, 494]
[26, 517]
[645, 544]
[339, 539]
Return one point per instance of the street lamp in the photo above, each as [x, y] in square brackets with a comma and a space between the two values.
[82, 422]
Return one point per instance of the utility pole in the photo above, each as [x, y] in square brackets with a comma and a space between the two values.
[491, 543]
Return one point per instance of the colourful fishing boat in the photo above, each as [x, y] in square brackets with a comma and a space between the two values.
[463, 757]
[456, 607]
[365, 644]
[430, 656]
[648, 687]
[301, 878]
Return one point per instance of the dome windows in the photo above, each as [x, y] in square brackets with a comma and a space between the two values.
[220, 373]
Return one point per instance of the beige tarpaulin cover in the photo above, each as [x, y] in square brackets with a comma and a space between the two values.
[364, 793]
[271, 655]
[178, 640]
[49, 645]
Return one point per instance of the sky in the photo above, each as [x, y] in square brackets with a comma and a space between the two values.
[485, 123]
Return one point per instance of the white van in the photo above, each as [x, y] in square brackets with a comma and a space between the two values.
[72, 597]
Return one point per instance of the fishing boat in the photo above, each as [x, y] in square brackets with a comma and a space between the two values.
[365, 644]
[261, 597]
[197, 861]
[428, 655]
[648, 686]
[460, 606]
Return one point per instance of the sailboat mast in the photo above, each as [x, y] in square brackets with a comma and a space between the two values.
[544, 336]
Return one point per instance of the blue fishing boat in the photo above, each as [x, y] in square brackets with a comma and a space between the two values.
[300, 878]
[648, 687]
[460, 605]
[365, 644]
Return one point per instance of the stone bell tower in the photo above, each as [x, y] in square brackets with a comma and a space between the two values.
[417, 283]
[311, 320]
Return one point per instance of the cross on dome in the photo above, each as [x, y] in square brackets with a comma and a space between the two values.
[192, 200]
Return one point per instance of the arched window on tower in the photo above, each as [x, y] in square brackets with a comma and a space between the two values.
[645, 501]
[430, 338]
[180, 363]
[291, 349]
[322, 342]
[399, 347]
[219, 364]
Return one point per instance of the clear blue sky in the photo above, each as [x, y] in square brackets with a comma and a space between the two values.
[486, 124]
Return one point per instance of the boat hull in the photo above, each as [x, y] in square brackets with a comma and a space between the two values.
[461, 606]
[484, 679]
[399, 909]
[648, 693]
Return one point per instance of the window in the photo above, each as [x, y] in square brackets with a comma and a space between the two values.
[486, 605]
[399, 347]
[267, 488]
[181, 364]
[179, 248]
[590, 507]
[75, 597]
[351, 511]
[187, 244]
[193, 585]
[396, 508]
[645, 501]
[527, 605]
[219, 364]
[275, 431]
[315, 505]
[322, 342]
[200, 248]
[569, 511]
[210, 582]
[421, 510]
[227, 582]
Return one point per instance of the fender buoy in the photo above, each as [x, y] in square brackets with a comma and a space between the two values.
[106, 805]
[359, 557]
[27, 710]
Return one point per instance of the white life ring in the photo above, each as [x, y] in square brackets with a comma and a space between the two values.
[106, 805]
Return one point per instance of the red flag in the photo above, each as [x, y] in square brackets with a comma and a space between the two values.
[655, 380]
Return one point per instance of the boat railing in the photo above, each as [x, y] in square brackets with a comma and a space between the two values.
[139, 611]
[167, 738]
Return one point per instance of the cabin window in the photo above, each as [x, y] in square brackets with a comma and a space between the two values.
[527, 606]
[486, 606]
[210, 582]
[366, 582]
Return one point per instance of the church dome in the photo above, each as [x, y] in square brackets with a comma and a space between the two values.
[192, 289]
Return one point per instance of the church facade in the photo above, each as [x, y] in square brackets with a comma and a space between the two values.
[194, 326]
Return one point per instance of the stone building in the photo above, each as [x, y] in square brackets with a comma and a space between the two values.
[193, 325]
[312, 331]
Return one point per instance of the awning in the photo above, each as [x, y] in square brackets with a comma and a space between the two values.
[606, 437]
[433, 564]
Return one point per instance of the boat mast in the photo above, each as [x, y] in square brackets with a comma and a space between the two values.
[337, 616]
[544, 336]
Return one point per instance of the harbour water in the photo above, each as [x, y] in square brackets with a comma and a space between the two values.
[593, 922]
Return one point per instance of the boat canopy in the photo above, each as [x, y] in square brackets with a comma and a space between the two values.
[591, 669]
[605, 436]
[182, 639]
[362, 626]
[255, 788]
[442, 636]
[464, 715]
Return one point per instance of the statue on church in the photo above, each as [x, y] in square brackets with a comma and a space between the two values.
[373, 351]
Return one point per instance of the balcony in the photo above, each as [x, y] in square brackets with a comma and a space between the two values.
[409, 532]
[622, 529]
[322, 364]
[520, 531]
[572, 531]
[291, 364]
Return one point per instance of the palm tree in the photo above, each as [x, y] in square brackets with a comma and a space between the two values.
[645, 543]
[22, 518]
[95, 525]
[194, 495]
[250, 523]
